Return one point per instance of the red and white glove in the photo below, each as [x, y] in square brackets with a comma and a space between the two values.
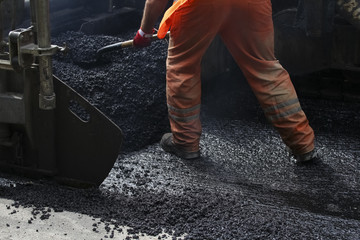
[142, 39]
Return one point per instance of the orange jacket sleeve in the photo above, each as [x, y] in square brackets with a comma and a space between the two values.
[167, 20]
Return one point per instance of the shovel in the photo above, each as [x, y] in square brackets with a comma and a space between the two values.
[121, 45]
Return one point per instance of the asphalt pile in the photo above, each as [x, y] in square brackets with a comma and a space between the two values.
[127, 85]
[243, 187]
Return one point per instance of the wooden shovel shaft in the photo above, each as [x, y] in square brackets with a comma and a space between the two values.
[125, 44]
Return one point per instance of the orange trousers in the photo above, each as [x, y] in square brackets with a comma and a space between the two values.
[246, 28]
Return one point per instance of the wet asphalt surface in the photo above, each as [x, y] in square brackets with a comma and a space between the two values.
[243, 187]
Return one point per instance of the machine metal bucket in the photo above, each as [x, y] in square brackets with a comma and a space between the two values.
[87, 142]
[74, 143]
[47, 128]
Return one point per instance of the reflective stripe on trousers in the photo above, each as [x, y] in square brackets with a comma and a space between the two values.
[247, 30]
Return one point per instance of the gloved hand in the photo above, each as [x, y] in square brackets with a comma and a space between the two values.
[142, 39]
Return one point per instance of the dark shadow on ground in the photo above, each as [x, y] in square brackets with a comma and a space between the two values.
[316, 188]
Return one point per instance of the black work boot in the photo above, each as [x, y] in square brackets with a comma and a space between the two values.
[169, 146]
[304, 158]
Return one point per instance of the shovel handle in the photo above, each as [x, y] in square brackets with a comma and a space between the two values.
[125, 44]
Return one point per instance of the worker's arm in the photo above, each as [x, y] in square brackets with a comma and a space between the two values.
[152, 11]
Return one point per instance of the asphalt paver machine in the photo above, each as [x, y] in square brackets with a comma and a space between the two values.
[46, 128]
[313, 35]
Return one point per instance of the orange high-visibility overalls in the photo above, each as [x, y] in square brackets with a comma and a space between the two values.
[246, 28]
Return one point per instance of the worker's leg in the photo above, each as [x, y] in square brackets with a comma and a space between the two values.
[191, 34]
[249, 37]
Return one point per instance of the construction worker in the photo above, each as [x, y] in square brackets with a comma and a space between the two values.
[246, 28]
